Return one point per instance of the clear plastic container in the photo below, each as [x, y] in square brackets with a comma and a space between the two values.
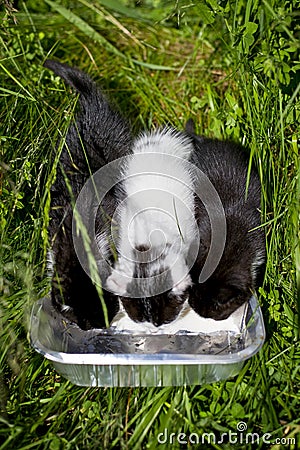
[106, 357]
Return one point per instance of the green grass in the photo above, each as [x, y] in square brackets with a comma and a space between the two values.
[233, 67]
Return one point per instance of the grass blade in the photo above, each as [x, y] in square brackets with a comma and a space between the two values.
[17, 82]
[95, 36]
[116, 6]
[84, 27]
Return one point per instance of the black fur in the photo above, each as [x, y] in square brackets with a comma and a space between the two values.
[105, 136]
[233, 281]
[157, 309]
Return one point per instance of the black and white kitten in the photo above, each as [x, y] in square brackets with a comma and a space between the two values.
[99, 136]
[157, 228]
[241, 268]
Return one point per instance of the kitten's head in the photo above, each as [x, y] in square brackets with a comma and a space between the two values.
[239, 273]
[151, 292]
[158, 310]
[220, 296]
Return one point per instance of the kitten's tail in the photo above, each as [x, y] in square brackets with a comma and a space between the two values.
[74, 77]
[102, 130]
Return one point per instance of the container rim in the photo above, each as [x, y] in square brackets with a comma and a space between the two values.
[130, 359]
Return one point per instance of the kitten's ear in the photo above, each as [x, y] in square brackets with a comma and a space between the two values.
[190, 126]
[226, 294]
[232, 297]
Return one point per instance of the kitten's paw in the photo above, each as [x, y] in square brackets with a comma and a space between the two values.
[117, 283]
[182, 285]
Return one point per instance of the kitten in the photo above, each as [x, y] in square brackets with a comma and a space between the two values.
[241, 268]
[157, 228]
[99, 136]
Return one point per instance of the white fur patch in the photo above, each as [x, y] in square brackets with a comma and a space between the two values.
[158, 211]
[50, 263]
[257, 262]
[103, 245]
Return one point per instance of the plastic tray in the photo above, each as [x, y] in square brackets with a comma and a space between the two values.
[104, 358]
